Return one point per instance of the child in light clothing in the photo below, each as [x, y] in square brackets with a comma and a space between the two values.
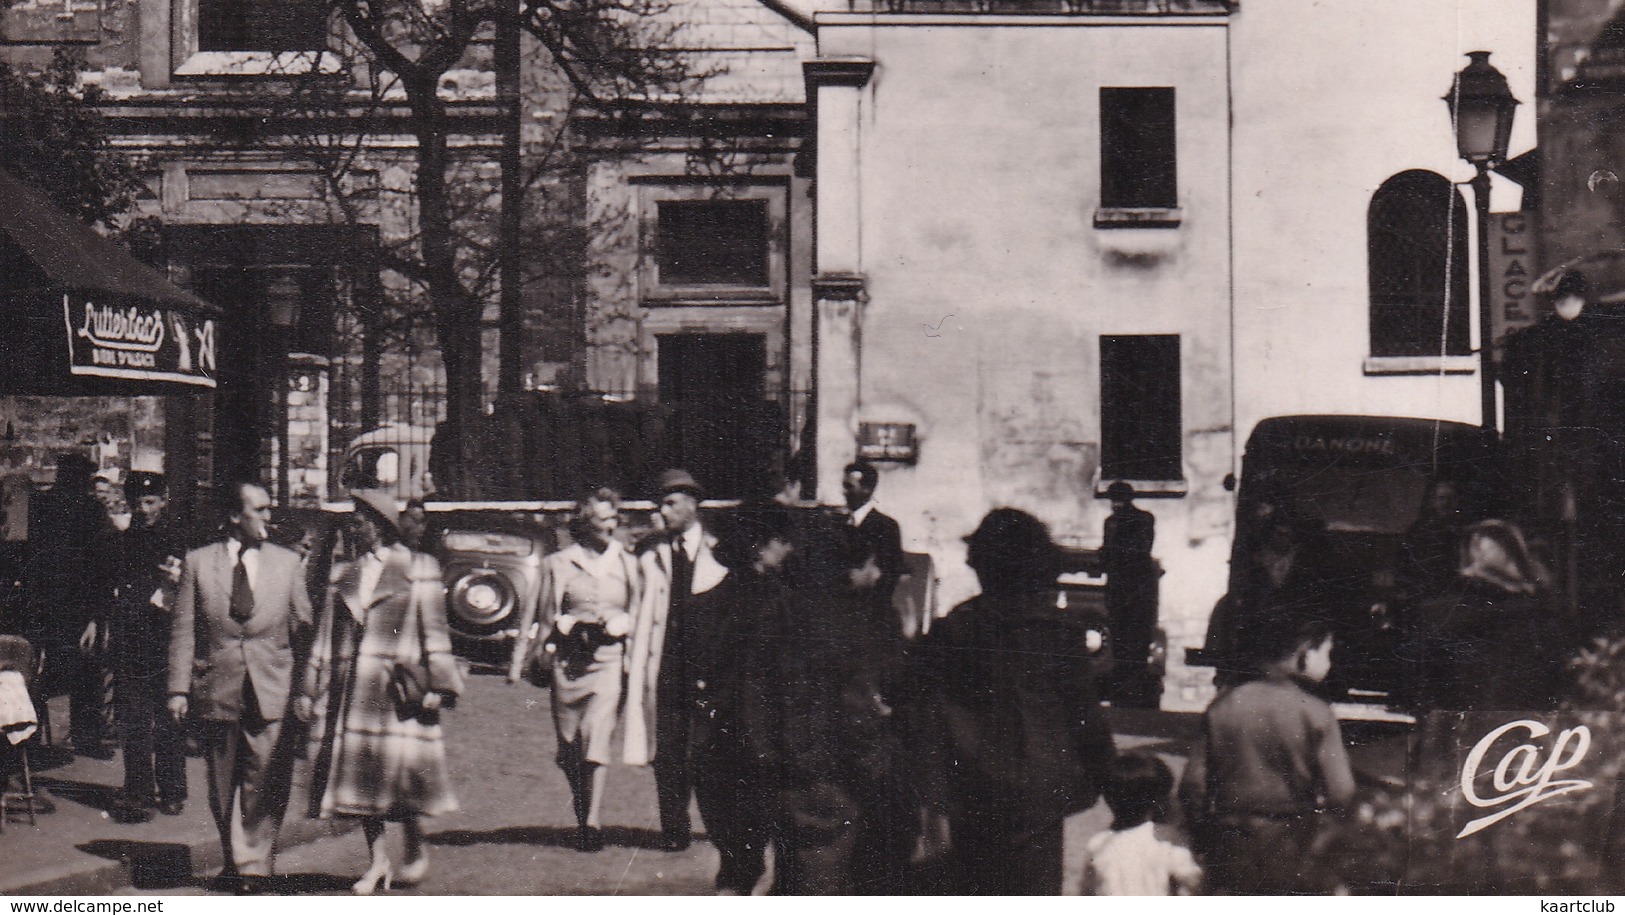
[1129, 859]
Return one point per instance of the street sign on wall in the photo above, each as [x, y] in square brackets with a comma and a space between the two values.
[887, 442]
[138, 340]
[1512, 273]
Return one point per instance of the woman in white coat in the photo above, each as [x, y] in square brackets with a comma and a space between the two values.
[589, 592]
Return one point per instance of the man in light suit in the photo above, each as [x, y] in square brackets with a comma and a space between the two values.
[239, 609]
[677, 568]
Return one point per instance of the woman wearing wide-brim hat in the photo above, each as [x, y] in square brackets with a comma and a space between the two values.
[378, 753]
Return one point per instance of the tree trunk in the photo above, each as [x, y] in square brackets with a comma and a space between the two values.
[456, 312]
[511, 308]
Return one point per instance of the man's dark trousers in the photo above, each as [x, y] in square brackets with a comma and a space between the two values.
[674, 707]
[154, 742]
[734, 799]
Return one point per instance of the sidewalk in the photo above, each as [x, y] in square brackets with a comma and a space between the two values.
[80, 850]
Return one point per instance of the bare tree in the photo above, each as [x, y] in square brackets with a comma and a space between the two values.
[613, 58]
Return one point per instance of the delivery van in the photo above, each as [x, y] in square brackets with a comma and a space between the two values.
[1350, 519]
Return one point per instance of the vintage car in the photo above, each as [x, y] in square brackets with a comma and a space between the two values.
[491, 574]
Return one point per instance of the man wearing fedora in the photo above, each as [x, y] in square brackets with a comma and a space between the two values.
[239, 610]
[677, 566]
[1131, 596]
[147, 573]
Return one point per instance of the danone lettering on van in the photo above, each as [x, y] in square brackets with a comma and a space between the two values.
[1525, 775]
[1350, 444]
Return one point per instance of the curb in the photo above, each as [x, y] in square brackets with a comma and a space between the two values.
[159, 864]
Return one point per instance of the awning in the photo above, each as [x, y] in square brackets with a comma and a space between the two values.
[83, 316]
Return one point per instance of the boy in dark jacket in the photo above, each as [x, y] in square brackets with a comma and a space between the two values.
[1270, 763]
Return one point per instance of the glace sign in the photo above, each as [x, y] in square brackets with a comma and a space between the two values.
[139, 341]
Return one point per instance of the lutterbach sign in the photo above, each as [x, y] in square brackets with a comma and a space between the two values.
[139, 341]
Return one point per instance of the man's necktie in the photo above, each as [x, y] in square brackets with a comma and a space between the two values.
[682, 573]
[242, 593]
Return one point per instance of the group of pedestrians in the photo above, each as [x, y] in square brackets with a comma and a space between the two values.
[98, 609]
[755, 662]
[378, 671]
[752, 660]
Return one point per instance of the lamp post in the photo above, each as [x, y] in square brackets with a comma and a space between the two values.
[1481, 108]
[283, 313]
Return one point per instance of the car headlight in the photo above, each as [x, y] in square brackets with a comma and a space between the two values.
[482, 599]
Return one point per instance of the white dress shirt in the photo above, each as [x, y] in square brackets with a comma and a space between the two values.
[251, 560]
[691, 541]
[862, 512]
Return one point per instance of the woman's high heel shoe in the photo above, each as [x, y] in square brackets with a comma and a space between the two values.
[368, 884]
[413, 872]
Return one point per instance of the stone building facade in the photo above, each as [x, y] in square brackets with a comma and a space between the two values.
[1067, 243]
[236, 114]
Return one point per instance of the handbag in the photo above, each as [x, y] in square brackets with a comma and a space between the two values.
[407, 689]
[409, 678]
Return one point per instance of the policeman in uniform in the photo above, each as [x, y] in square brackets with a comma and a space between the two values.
[148, 571]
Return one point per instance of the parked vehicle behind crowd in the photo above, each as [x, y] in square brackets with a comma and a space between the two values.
[1353, 518]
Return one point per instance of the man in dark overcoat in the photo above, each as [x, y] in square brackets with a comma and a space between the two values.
[241, 607]
[147, 574]
[68, 599]
[1131, 596]
[820, 718]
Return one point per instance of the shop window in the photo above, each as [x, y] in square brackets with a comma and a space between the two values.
[1416, 231]
[1138, 163]
[1140, 427]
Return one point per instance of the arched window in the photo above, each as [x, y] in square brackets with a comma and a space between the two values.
[1416, 234]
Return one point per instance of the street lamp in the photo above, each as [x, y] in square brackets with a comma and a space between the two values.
[283, 314]
[1481, 108]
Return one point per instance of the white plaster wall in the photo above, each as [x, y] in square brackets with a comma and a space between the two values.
[1330, 100]
[977, 181]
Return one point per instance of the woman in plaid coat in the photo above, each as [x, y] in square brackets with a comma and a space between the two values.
[374, 757]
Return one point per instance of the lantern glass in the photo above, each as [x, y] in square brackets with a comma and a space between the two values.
[1478, 131]
[282, 302]
[1482, 107]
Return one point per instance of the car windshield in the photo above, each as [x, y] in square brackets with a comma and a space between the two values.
[1367, 500]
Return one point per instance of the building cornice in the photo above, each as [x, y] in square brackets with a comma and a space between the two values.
[1022, 20]
[840, 287]
[853, 72]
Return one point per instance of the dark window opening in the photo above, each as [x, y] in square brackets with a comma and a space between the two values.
[1140, 426]
[1138, 165]
[720, 426]
[262, 25]
[712, 243]
[284, 289]
[1416, 234]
